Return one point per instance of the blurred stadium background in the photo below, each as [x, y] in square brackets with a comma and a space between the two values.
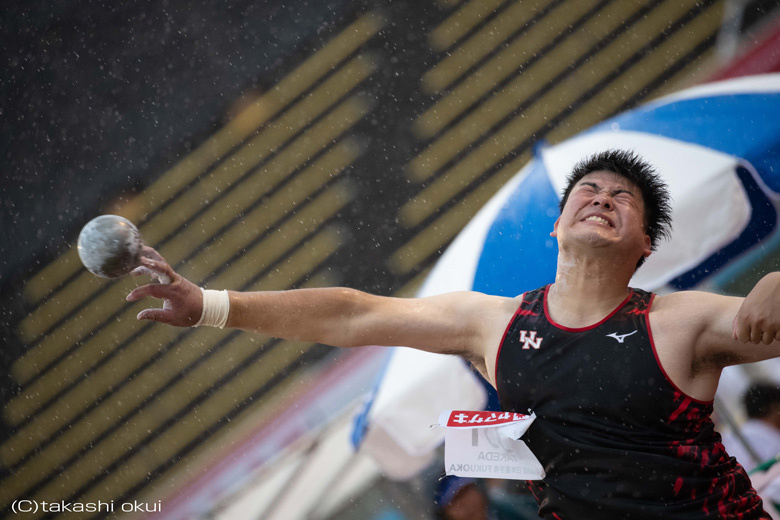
[270, 145]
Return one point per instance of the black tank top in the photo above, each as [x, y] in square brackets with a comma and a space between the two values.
[617, 439]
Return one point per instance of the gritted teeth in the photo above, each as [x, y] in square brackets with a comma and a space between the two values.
[601, 220]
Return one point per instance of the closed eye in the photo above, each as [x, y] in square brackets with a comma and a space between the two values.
[589, 186]
[620, 195]
[624, 197]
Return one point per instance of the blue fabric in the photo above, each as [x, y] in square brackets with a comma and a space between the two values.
[519, 254]
[763, 221]
[360, 421]
[742, 125]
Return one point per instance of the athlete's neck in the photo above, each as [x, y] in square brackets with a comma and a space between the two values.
[585, 291]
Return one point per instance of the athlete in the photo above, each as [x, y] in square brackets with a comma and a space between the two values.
[621, 381]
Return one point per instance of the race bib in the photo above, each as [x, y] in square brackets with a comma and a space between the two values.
[483, 444]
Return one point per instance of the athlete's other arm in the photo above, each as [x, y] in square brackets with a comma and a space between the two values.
[469, 324]
[732, 330]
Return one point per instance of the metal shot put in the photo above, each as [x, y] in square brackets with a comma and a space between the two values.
[111, 246]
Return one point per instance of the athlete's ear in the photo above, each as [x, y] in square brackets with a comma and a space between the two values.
[648, 247]
[554, 232]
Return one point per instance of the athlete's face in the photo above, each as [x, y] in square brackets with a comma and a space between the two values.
[604, 209]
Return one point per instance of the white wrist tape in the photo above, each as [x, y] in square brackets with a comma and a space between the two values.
[216, 307]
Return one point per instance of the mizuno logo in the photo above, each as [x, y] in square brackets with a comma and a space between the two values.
[529, 339]
[620, 338]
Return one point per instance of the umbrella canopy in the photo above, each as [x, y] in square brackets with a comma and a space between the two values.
[718, 148]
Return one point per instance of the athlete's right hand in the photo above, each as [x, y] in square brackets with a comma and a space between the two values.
[182, 299]
[758, 319]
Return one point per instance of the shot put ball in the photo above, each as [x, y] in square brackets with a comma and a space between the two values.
[110, 246]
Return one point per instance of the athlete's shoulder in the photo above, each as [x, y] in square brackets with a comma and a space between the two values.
[687, 301]
[692, 309]
[675, 303]
[478, 298]
[533, 296]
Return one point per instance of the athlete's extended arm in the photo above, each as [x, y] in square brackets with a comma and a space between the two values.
[462, 323]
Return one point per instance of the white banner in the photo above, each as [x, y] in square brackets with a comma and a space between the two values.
[483, 444]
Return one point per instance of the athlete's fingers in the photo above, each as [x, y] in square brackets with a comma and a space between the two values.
[158, 315]
[741, 330]
[154, 290]
[140, 271]
[183, 299]
[159, 266]
[150, 252]
[755, 335]
[155, 275]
